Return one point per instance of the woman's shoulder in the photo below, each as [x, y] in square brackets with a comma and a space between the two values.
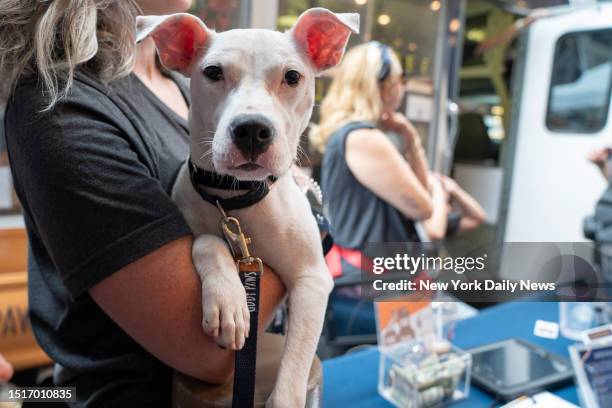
[338, 137]
[372, 144]
[58, 131]
[366, 132]
[84, 89]
[83, 127]
[86, 98]
[354, 126]
[367, 137]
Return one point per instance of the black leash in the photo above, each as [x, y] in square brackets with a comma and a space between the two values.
[250, 269]
[246, 358]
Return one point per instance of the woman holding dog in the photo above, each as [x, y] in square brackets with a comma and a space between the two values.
[374, 192]
[96, 132]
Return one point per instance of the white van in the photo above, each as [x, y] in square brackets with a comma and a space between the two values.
[543, 186]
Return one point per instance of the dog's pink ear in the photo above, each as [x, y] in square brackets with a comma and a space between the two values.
[323, 35]
[178, 37]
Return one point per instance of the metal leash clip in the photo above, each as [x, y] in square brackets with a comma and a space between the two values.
[237, 241]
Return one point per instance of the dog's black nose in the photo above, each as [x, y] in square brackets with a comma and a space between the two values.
[252, 134]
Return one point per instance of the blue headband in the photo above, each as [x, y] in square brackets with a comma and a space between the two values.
[385, 61]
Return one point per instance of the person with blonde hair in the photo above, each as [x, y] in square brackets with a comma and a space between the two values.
[96, 131]
[373, 192]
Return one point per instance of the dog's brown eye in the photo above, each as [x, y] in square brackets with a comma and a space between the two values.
[292, 77]
[214, 73]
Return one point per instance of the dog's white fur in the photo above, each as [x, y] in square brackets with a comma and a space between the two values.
[285, 235]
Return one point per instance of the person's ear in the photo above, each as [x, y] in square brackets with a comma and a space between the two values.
[322, 35]
[178, 38]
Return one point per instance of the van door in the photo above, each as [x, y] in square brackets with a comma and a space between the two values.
[560, 113]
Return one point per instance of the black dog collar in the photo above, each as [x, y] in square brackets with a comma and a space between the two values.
[256, 190]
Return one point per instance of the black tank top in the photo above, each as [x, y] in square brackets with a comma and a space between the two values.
[357, 215]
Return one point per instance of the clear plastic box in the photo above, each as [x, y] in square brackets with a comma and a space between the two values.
[412, 375]
[576, 317]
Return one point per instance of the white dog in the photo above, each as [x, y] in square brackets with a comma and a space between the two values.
[252, 97]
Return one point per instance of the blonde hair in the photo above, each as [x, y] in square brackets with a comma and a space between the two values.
[355, 92]
[52, 38]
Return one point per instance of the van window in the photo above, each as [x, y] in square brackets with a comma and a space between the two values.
[579, 94]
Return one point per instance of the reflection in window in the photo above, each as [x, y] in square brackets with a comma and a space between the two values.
[220, 15]
[580, 82]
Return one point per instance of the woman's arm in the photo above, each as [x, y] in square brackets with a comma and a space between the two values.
[157, 301]
[472, 213]
[511, 32]
[415, 154]
[436, 225]
[378, 165]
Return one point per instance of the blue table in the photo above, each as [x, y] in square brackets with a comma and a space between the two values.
[351, 380]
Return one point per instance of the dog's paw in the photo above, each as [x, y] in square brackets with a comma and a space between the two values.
[225, 314]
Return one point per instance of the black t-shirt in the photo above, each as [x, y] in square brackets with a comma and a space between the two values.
[94, 176]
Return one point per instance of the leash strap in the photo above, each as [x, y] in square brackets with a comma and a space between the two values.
[246, 358]
[250, 269]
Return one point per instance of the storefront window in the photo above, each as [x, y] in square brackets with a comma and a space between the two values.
[221, 15]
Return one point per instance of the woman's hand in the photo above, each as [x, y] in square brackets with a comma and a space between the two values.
[6, 370]
[438, 188]
[599, 157]
[398, 123]
[534, 16]
[472, 213]
[449, 185]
